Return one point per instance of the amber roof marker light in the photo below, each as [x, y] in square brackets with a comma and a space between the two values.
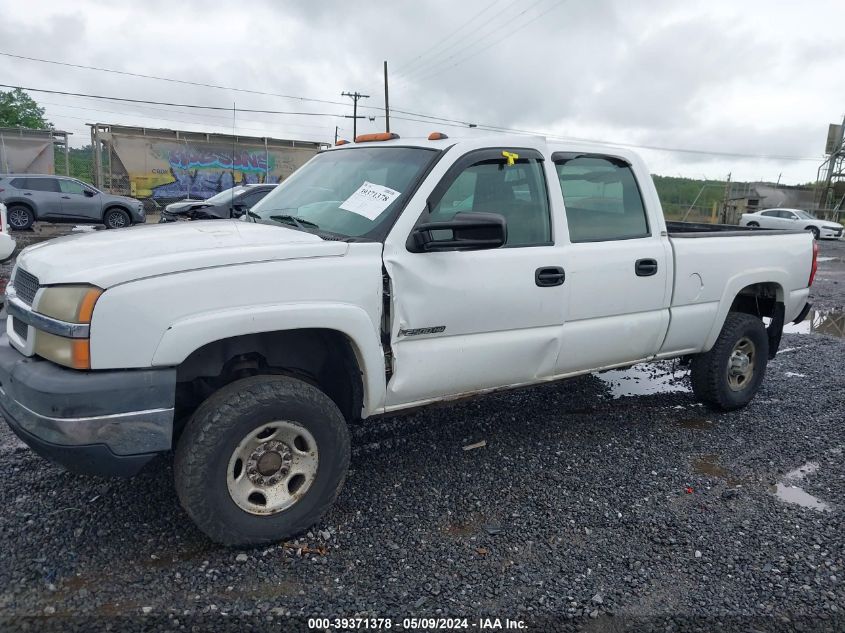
[371, 138]
[341, 141]
[436, 136]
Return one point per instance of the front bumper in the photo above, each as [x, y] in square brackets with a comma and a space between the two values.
[834, 233]
[95, 422]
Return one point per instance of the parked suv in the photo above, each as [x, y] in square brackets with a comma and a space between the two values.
[31, 197]
[229, 203]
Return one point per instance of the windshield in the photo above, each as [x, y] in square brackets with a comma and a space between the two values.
[349, 192]
[226, 194]
[805, 215]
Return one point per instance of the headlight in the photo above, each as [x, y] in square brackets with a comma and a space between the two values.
[72, 304]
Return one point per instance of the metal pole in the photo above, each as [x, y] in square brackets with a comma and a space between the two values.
[386, 102]
[724, 217]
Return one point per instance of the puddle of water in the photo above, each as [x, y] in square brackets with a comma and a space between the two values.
[709, 466]
[698, 424]
[643, 380]
[799, 496]
[830, 322]
[788, 492]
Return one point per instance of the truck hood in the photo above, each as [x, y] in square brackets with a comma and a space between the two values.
[107, 258]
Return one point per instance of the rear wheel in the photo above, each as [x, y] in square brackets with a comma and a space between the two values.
[814, 230]
[754, 224]
[116, 219]
[261, 460]
[729, 375]
[20, 218]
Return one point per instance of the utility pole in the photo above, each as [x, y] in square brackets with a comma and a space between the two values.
[724, 217]
[386, 102]
[335, 135]
[354, 96]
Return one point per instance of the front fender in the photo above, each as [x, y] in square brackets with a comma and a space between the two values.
[190, 333]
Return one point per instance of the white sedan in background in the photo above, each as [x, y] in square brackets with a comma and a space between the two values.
[792, 219]
[7, 242]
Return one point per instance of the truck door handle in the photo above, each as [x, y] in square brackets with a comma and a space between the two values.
[65, 197]
[549, 276]
[645, 267]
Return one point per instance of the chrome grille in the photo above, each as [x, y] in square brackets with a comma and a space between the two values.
[26, 285]
[20, 327]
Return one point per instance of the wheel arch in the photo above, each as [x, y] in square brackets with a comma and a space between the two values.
[116, 205]
[758, 294]
[325, 358]
[284, 339]
[21, 202]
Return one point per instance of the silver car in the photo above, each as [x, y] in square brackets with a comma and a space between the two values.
[30, 197]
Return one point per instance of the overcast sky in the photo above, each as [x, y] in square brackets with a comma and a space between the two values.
[754, 77]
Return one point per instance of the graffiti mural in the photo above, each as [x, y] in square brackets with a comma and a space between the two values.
[168, 169]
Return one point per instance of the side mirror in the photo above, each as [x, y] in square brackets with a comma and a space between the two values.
[468, 231]
[88, 193]
[238, 210]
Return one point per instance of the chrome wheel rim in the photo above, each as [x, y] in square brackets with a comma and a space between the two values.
[18, 218]
[741, 364]
[272, 467]
[117, 220]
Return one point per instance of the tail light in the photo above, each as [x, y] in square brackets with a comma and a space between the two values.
[815, 263]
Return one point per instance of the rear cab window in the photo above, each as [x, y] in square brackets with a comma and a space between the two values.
[602, 198]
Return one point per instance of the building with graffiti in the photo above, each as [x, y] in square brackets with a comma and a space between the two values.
[166, 165]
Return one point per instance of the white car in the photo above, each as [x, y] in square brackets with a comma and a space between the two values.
[380, 276]
[7, 242]
[792, 219]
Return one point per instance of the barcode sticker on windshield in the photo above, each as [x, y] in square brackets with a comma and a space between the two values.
[370, 200]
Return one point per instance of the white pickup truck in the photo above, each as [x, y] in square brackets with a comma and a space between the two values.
[385, 274]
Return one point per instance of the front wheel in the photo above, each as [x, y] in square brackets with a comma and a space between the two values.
[116, 219]
[261, 460]
[729, 375]
[815, 231]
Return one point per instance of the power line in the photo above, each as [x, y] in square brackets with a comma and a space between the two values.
[461, 124]
[168, 79]
[426, 68]
[215, 86]
[466, 58]
[182, 121]
[196, 114]
[177, 105]
[405, 68]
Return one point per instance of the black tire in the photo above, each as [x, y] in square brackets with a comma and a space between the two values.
[210, 438]
[116, 219]
[815, 231]
[754, 224]
[710, 372]
[20, 217]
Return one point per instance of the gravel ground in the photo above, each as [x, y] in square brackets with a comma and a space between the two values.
[587, 509]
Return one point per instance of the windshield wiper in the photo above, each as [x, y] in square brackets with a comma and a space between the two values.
[299, 223]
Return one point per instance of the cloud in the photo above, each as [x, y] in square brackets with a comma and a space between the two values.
[752, 78]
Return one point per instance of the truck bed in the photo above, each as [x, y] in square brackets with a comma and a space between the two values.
[699, 229]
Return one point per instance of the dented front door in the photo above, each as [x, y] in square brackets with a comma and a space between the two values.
[468, 321]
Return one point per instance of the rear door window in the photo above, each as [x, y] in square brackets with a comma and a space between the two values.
[602, 198]
[42, 184]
